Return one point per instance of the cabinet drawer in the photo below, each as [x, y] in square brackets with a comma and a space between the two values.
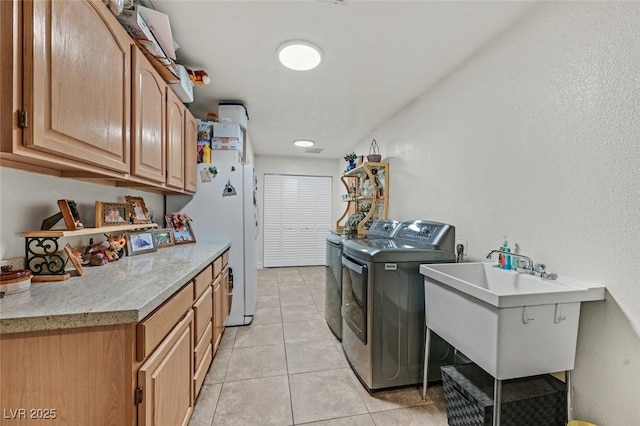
[201, 373]
[156, 326]
[225, 258]
[201, 347]
[202, 281]
[203, 310]
[217, 266]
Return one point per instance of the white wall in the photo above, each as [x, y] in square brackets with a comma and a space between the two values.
[537, 137]
[265, 164]
[29, 198]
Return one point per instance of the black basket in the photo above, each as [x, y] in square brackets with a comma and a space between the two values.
[530, 401]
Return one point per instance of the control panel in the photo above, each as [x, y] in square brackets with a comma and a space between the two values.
[384, 228]
[423, 231]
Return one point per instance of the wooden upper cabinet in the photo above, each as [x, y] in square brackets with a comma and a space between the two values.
[77, 82]
[191, 154]
[149, 120]
[175, 140]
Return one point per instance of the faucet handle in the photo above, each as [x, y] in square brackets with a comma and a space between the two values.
[523, 264]
[541, 268]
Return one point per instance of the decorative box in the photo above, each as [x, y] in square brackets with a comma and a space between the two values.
[529, 401]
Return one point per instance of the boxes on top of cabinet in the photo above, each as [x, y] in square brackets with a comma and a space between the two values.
[184, 88]
[228, 136]
[136, 26]
[143, 23]
[227, 130]
[234, 112]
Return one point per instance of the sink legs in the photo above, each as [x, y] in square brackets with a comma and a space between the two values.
[497, 401]
[497, 385]
[569, 386]
[427, 344]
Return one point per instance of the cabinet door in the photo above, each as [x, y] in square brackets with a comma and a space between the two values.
[166, 379]
[226, 297]
[149, 115]
[77, 82]
[218, 313]
[175, 140]
[191, 153]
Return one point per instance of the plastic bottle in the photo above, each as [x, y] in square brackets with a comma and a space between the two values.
[206, 154]
[507, 259]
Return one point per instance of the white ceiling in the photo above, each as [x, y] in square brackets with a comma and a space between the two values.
[378, 57]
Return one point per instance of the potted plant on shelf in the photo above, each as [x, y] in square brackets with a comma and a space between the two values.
[351, 158]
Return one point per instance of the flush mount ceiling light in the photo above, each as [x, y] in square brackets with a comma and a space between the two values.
[299, 55]
[304, 143]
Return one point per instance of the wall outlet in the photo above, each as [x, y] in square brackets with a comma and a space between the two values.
[464, 244]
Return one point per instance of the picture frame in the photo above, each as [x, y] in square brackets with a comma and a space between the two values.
[140, 242]
[182, 229]
[110, 214]
[163, 237]
[71, 215]
[75, 257]
[136, 210]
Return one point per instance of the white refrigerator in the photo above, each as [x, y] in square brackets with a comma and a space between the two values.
[225, 208]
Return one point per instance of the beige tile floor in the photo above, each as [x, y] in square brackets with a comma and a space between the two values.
[287, 368]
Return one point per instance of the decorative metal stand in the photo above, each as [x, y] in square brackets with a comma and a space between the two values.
[42, 256]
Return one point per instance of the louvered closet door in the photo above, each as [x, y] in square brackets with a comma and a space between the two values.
[297, 219]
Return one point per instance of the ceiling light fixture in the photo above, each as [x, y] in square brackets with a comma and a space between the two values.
[304, 143]
[299, 55]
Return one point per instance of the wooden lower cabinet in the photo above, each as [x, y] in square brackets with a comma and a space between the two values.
[81, 376]
[218, 313]
[164, 380]
[226, 292]
[145, 374]
[202, 353]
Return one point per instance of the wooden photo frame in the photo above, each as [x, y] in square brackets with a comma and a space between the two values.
[71, 215]
[110, 214]
[163, 237]
[75, 257]
[180, 224]
[140, 242]
[136, 210]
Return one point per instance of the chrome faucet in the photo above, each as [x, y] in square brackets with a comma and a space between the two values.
[530, 265]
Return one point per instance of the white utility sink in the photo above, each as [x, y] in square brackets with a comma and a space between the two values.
[511, 324]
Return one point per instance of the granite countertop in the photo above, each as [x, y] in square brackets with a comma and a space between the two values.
[119, 292]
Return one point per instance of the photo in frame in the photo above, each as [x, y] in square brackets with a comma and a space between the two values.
[140, 242]
[163, 237]
[109, 214]
[180, 224]
[136, 210]
[71, 215]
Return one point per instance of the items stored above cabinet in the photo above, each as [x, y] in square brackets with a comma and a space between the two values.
[367, 197]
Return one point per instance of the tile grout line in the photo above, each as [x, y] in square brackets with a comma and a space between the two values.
[293, 420]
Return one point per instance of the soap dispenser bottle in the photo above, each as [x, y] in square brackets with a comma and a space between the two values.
[506, 264]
